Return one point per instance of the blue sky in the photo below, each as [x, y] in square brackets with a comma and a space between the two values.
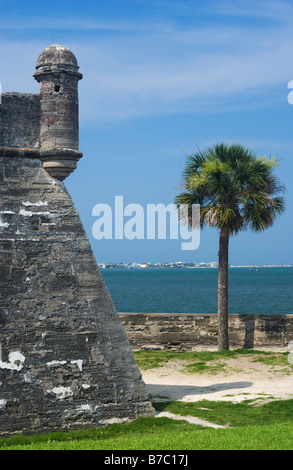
[162, 78]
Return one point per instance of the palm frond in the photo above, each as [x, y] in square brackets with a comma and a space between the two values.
[233, 186]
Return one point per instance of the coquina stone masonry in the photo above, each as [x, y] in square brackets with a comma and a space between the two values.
[182, 331]
[65, 359]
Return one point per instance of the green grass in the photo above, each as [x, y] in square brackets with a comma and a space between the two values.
[233, 414]
[280, 359]
[246, 438]
[200, 367]
[175, 436]
[264, 427]
[203, 361]
[137, 429]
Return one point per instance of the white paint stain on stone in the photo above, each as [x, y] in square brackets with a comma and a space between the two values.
[61, 392]
[39, 203]
[86, 407]
[2, 403]
[26, 213]
[15, 361]
[78, 362]
[114, 421]
[27, 377]
[85, 386]
[53, 363]
[3, 224]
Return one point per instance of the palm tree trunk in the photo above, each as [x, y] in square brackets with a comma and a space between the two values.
[223, 334]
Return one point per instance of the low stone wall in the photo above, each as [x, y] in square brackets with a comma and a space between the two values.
[176, 331]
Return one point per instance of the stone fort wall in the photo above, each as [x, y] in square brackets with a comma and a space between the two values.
[189, 332]
[20, 120]
[65, 359]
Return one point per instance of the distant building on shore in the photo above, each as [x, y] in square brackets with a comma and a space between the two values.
[144, 265]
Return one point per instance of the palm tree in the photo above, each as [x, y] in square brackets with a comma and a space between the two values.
[236, 190]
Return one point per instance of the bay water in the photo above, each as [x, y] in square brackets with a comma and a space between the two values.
[194, 290]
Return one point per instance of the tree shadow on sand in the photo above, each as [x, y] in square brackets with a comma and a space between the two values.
[162, 392]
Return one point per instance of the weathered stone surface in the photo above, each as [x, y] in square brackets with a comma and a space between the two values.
[65, 359]
[20, 120]
[57, 73]
[179, 331]
[59, 106]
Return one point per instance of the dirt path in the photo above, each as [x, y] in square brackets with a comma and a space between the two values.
[241, 379]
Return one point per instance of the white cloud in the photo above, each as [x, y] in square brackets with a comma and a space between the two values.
[154, 68]
[139, 80]
[273, 9]
[67, 23]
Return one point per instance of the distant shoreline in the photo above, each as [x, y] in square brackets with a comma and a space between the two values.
[124, 266]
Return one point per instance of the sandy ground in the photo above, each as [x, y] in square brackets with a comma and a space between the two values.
[241, 379]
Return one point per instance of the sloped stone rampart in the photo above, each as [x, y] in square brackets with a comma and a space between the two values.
[65, 359]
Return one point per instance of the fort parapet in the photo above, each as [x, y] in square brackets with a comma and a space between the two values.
[188, 332]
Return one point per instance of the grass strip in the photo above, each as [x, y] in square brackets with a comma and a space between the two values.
[265, 427]
[233, 414]
[202, 361]
[277, 437]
